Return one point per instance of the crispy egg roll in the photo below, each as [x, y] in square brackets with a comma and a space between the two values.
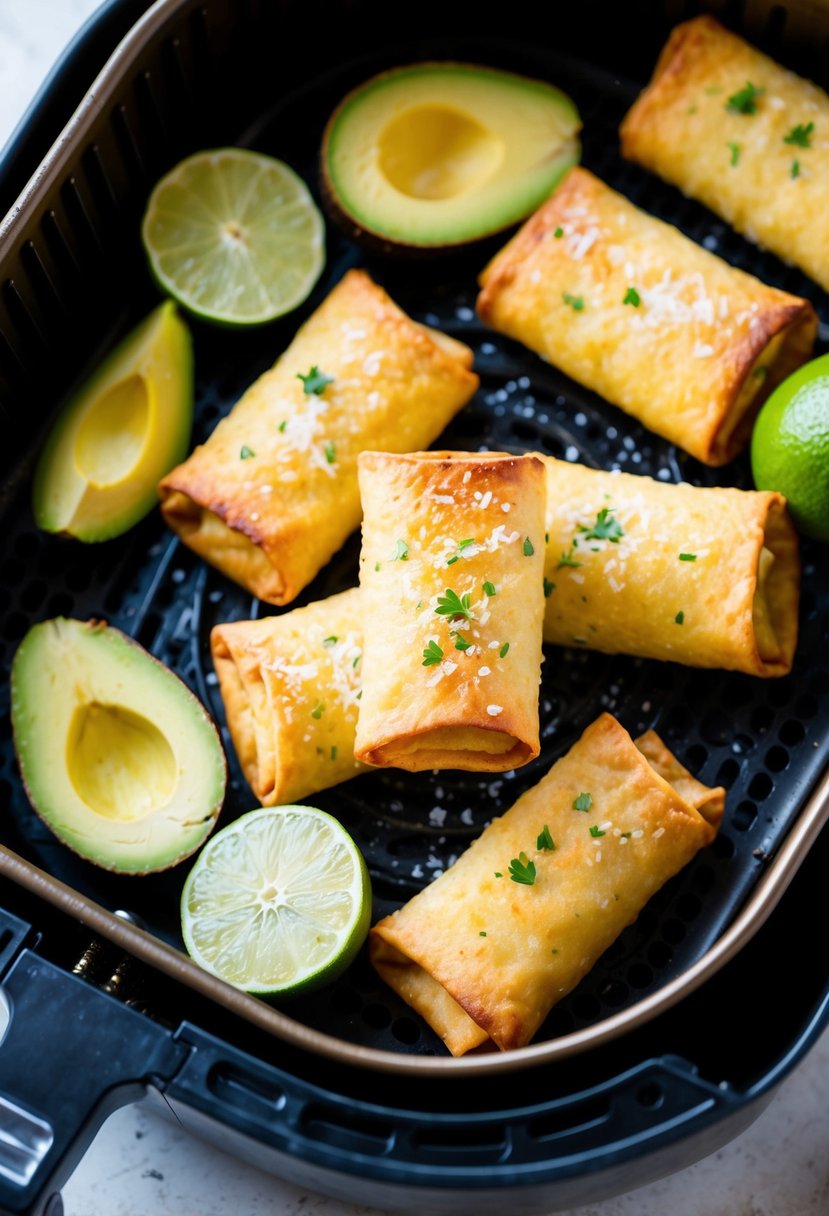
[631, 308]
[483, 956]
[290, 686]
[748, 138]
[704, 577]
[451, 579]
[273, 493]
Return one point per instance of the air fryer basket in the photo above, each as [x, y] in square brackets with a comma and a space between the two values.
[73, 277]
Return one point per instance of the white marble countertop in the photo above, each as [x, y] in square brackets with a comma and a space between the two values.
[141, 1165]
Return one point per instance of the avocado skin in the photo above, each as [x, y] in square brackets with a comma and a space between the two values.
[383, 245]
[37, 729]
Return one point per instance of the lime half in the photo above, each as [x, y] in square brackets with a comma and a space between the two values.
[234, 236]
[278, 903]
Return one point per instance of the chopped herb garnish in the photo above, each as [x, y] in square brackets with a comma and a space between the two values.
[679, 618]
[528, 547]
[357, 658]
[401, 552]
[330, 452]
[482, 933]
[606, 527]
[315, 381]
[376, 566]
[246, 452]
[596, 831]
[453, 605]
[334, 752]
[801, 135]
[559, 233]
[498, 874]
[545, 840]
[575, 302]
[464, 544]
[332, 641]
[489, 589]
[450, 561]
[632, 297]
[626, 835]
[522, 870]
[744, 101]
[687, 557]
[359, 696]
[795, 169]
[567, 559]
[735, 153]
[316, 712]
[461, 643]
[583, 802]
[282, 426]
[432, 654]
[504, 651]
[549, 588]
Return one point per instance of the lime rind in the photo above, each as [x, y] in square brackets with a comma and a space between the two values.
[279, 903]
[234, 236]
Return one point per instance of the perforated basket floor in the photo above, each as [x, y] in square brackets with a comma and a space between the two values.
[766, 741]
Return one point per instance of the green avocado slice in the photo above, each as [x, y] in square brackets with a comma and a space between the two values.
[118, 757]
[435, 155]
[117, 436]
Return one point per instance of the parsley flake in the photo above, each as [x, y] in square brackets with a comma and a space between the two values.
[450, 561]
[679, 618]
[583, 802]
[461, 643]
[687, 557]
[330, 452]
[559, 233]
[376, 566]
[522, 870]
[357, 658]
[332, 641]
[801, 135]
[317, 711]
[545, 840]
[606, 527]
[795, 169]
[632, 297]
[549, 588]
[567, 559]
[454, 606]
[334, 752]
[528, 547]
[464, 544]
[432, 654]
[504, 651]
[735, 153]
[744, 101]
[283, 424]
[575, 302]
[401, 552]
[498, 874]
[596, 831]
[246, 452]
[489, 589]
[482, 933]
[315, 382]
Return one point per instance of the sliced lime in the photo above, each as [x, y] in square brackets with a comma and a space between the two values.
[278, 903]
[234, 236]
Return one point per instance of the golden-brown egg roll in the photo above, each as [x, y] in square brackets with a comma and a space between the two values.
[730, 127]
[273, 493]
[290, 686]
[628, 306]
[486, 950]
[705, 577]
[451, 578]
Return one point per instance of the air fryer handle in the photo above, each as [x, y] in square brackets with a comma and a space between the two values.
[71, 1055]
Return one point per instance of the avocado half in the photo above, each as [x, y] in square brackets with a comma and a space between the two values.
[436, 155]
[124, 428]
[118, 757]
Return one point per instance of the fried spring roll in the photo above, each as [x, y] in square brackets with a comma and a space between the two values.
[486, 950]
[628, 306]
[273, 493]
[732, 128]
[451, 580]
[705, 577]
[290, 685]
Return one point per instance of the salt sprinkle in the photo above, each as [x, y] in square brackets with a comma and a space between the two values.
[494, 710]
[484, 671]
[703, 350]
[466, 477]
[505, 507]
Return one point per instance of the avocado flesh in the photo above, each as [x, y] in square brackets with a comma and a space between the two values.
[126, 427]
[439, 154]
[119, 758]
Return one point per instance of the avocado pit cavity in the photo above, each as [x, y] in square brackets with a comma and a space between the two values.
[119, 763]
[434, 152]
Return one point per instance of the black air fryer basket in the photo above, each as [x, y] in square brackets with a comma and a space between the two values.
[653, 1061]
